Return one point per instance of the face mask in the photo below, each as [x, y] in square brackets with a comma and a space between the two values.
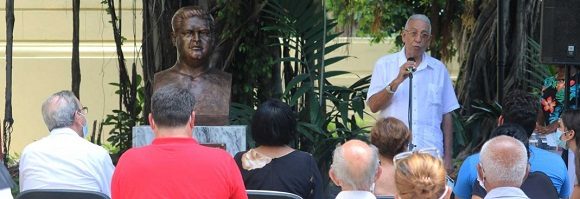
[481, 182]
[561, 143]
[85, 130]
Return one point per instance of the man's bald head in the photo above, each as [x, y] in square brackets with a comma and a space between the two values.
[59, 109]
[355, 164]
[504, 161]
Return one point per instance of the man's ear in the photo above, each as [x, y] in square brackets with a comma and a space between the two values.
[500, 120]
[152, 122]
[403, 35]
[479, 171]
[568, 136]
[192, 119]
[333, 177]
[527, 172]
[378, 173]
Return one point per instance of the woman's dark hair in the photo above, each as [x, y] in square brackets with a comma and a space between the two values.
[273, 124]
[513, 130]
[571, 120]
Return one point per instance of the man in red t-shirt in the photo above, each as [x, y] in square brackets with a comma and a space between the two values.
[175, 165]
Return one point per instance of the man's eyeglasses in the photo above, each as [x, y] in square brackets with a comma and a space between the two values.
[413, 33]
[84, 110]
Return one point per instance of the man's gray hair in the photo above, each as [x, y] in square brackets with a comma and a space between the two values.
[58, 110]
[348, 175]
[421, 17]
[171, 105]
[499, 168]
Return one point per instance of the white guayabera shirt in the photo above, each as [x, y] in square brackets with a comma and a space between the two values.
[64, 160]
[433, 96]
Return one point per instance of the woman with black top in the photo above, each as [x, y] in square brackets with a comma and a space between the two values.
[274, 165]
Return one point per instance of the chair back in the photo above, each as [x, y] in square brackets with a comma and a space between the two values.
[60, 194]
[266, 194]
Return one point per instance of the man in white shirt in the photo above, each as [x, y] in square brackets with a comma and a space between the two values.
[6, 182]
[433, 95]
[502, 167]
[64, 159]
[355, 168]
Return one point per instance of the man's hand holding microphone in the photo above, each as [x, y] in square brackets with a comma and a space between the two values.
[406, 70]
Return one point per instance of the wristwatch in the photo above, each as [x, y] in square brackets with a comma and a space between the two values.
[389, 90]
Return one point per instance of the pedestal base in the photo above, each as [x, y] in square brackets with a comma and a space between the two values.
[234, 137]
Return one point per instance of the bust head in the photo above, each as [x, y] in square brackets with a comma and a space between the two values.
[192, 35]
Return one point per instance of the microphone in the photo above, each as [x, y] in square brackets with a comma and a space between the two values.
[411, 69]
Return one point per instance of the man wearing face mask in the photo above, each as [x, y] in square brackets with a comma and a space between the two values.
[65, 159]
[355, 168]
[503, 167]
[518, 108]
[536, 185]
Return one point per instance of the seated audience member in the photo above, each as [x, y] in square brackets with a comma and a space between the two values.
[65, 159]
[503, 167]
[355, 168]
[576, 191]
[391, 137]
[6, 183]
[519, 108]
[175, 165]
[273, 165]
[537, 184]
[419, 174]
[569, 125]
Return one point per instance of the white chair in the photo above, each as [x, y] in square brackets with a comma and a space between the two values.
[265, 194]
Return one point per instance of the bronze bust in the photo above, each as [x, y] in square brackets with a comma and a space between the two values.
[194, 39]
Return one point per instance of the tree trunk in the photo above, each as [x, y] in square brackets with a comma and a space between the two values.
[75, 64]
[8, 120]
[476, 45]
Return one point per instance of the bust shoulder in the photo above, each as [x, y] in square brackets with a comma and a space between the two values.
[216, 76]
[167, 76]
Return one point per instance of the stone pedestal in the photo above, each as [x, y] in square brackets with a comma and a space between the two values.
[233, 137]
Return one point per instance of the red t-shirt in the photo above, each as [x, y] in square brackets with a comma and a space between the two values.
[177, 168]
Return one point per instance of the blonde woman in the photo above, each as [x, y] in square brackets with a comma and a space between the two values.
[391, 137]
[420, 174]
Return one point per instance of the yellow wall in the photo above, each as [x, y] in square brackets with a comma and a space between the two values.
[42, 60]
[42, 57]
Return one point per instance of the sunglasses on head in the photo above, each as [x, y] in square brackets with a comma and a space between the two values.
[429, 151]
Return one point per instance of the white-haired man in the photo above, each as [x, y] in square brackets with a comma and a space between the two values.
[355, 168]
[64, 159]
[502, 167]
[433, 95]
